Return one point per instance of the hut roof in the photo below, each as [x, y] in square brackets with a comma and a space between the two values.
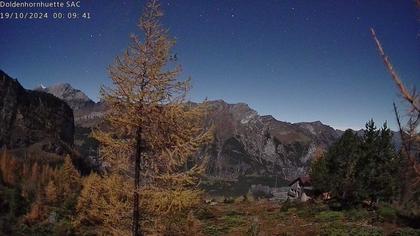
[303, 180]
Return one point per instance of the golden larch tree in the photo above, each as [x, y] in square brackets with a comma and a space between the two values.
[151, 132]
[103, 206]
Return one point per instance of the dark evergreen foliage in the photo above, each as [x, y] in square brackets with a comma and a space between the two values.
[356, 168]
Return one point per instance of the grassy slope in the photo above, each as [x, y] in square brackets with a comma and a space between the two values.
[270, 218]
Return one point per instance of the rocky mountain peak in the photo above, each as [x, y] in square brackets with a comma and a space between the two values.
[249, 144]
[239, 112]
[33, 118]
[86, 112]
[65, 92]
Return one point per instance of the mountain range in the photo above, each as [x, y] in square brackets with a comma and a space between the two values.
[245, 143]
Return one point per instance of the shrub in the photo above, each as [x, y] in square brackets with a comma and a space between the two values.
[333, 229]
[311, 210]
[292, 210]
[410, 216]
[329, 216]
[232, 220]
[228, 200]
[240, 199]
[335, 205]
[366, 231]
[64, 227]
[387, 213]
[339, 229]
[291, 204]
[357, 214]
[254, 229]
[203, 213]
[249, 197]
[260, 191]
[305, 213]
[213, 230]
[406, 232]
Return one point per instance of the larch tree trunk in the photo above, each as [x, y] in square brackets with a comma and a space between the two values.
[137, 162]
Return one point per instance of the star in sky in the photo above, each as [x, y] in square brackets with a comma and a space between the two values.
[240, 42]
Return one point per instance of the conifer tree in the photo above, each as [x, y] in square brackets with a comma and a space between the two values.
[378, 165]
[51, 194]
[390, 166]
[356, 169]
[342, 159]
[3, 164]
[34, 174]
[68, 183]
[151, 131]
[320, 175]
[69, 176]
[367, 165]
[104, 205]
[9, 168]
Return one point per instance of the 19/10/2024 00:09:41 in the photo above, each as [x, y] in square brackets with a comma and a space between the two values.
[44, 15]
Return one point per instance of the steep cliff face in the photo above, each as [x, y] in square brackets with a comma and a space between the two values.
[30, 117]
[248, 144]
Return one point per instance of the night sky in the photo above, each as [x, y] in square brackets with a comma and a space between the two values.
[296, 60]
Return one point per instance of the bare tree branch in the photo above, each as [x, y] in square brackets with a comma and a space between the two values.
[405, 142]
[409, 135]
[411, 98]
